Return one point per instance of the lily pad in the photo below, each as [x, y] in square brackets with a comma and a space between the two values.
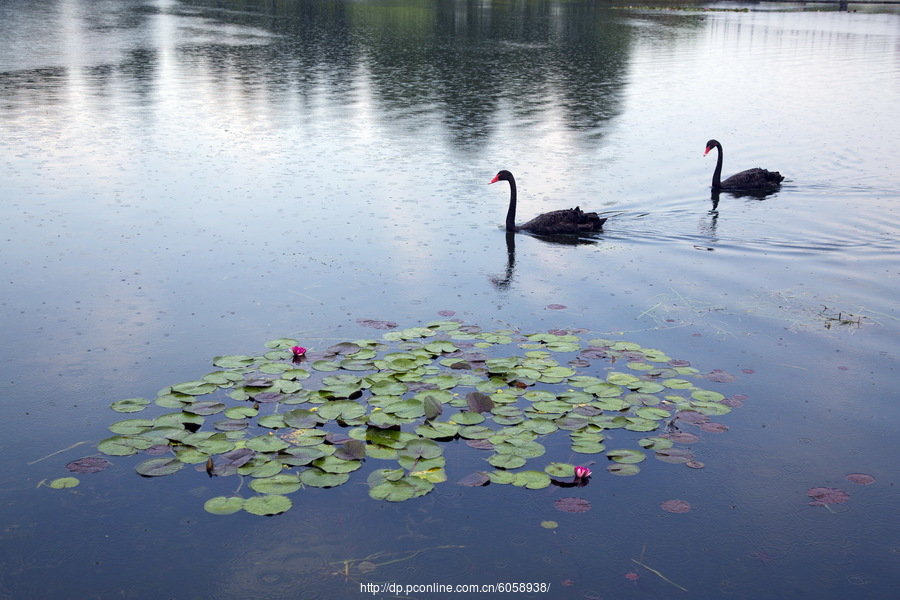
[282, 483]
[130, 405]
[675, 506]
[476, 479]
[157, 467]
[860, 478]
[825, 495]
[572, 505]
[267, 505]
[63, 483]
[124, 445]
[88, 464]
[222, 505]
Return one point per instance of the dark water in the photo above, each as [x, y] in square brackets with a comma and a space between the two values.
[181, 180]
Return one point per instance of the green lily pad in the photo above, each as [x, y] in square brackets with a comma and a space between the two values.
[656, 443]
[322, 479]
[204, 408]
[266, 443]
[533, 480]
[282, 483]
[626, 456]
[467, 418]
[124, 445]
[267, 505]
[333, 464]
[222, 505]
[157, 467]
[423, 448]
[194, 388]
[130, 405]
[63, 483]
[131, 426]
[507, 461]
[623, 469]
[437, 430]
[402, 489]
[707, 396]
[560, 469]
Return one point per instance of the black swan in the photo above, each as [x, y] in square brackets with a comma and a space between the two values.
[569, 220]
[751, 179]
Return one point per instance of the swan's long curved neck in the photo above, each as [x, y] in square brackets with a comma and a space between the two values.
[511, 213]
[717, 174]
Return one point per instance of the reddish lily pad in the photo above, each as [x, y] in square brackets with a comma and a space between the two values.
[88, 464]
[376, 324]
[713, 427]
[860, 478]
[572, 505]
[675, 506]
[675, 456]
[681, 437]
[824, 495]
[476, 479]
[720, 376]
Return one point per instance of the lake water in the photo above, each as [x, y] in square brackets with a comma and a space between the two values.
[187, 179]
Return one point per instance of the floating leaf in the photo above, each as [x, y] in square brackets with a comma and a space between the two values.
[720, 376]
[623, 469]
[438, 430]
[131, 426]
[88, 464]
[467, 418]
[549, 524]
[675, 506]
[626, 456]
[221, 505]
[204, 408]
[266, 443]
[476, 479]
[572, 505]
[860, 478]
[234, 361]
[231, 424]
[825, 495]
[239, 457]
[533, 480]
[63, 483]
[124, 445]
[157, 467]
[282, 483]
[194, 388]
[674, 455]
[130, 405]
[267, 505]
[401, 489]
[323, 479]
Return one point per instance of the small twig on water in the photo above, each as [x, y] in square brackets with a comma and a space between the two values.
[660, 575]
[60, 451]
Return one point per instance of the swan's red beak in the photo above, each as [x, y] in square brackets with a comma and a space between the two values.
[705, 152]
[494, 180]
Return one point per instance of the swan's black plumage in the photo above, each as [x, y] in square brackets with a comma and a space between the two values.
[751, 179]
[569, 220]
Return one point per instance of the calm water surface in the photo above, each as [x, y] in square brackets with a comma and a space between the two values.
[181, 180]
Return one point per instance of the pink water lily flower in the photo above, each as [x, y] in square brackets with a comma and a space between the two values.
[582, 472]
[298, 350]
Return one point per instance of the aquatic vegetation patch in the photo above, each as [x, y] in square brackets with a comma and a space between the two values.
[295, 417]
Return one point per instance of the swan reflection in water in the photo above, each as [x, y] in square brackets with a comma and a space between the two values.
[503, 282]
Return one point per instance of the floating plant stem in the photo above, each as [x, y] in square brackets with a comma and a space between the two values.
[658, 574]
